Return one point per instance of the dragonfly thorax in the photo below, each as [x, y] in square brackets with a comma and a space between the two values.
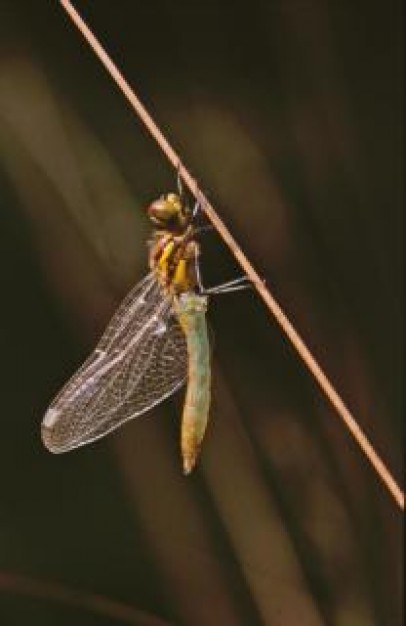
[173, 250]
[174, 259]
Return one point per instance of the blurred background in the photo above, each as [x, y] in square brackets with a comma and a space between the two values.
[289, 115]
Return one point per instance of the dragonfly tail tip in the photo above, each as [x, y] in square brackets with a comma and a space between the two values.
[188, 465]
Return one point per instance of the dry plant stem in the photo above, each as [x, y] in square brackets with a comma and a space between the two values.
[260, 286]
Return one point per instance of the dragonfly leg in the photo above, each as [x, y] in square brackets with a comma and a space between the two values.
[197, 271]
[196, 208]
[220, 289]
[243, 282]
[179, 183]
[197, 205]
[237, 284]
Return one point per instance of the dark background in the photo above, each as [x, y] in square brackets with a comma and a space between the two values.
[289, 115]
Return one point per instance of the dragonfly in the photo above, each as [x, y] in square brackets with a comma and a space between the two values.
[156, 341]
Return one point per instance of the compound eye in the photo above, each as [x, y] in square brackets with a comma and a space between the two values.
[174, 202]
[166, 210]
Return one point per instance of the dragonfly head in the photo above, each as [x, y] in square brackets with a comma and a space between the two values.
[169, 212]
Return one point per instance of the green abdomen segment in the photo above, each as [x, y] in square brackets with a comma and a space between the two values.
[191, 309]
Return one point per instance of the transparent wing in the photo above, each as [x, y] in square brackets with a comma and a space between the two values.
[140, 360]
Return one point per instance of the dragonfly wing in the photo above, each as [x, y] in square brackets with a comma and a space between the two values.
[140, 360]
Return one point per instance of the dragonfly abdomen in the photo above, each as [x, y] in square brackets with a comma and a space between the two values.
[191, 312]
